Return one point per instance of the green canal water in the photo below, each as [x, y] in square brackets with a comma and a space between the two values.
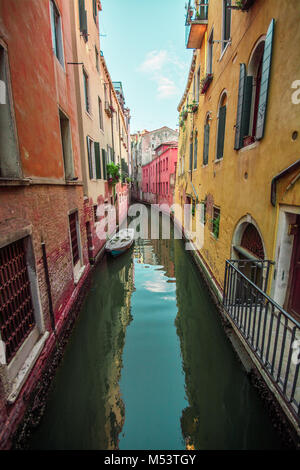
[148, 365]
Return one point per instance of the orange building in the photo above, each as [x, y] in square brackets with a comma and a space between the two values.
[43, 245]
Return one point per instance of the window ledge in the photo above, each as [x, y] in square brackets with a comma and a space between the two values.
[204, 166]
[218, 160]
[89, 115]
[249, 147]
[79, 274]
[214, 236]
[26, 368]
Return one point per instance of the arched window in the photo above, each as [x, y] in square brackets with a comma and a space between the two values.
[221, 126]
[255, 71]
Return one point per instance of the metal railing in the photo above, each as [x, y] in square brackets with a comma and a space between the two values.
[272, 334]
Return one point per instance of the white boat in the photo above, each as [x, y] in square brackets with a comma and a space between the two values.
[120, 242]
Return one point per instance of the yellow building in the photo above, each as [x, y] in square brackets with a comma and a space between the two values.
[239, 151]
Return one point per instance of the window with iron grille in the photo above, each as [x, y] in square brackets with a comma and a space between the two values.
[16, 307]
[74, 236]
[215, 222]
[56, 32]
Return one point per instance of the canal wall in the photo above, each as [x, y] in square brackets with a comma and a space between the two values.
[280, 414]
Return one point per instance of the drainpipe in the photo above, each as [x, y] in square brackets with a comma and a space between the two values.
[52, 319]
[278, 177]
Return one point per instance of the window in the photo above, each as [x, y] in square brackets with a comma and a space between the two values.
[253, 93]
[198, 84]
[56, 32]
[226, 23]
[95, 212]
[221, 126]
[215, 223]
[206, 141]
[83, 19]
[66, 141]
[100, 114]
[94, 160]
[191, 155]
[97, 58]
[9, 155]
[195, 150]
[73, 225]
[86, 91]
[16, 306]
[95, 10]
[167, 163]
[167, 188]
[203, 212]
[210, 53]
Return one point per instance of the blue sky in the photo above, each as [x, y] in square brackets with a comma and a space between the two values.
[143, 42]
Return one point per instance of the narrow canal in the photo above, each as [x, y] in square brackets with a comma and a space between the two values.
[148, 365]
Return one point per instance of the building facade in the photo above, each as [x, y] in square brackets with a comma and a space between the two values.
[143, 148]
[103, 123]
[158, 176]
[238, 159]
[43, 245]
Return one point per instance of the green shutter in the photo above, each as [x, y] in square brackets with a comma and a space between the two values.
[265, 80]
[238, 142]
[195, 152]
[82, 17]
[206, 144]
[191, 156]
[104, 164]
[247, 106]
[221, 131]
[97, 160]
[89, 158]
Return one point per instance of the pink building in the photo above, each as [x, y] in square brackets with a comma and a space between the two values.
[158, 176]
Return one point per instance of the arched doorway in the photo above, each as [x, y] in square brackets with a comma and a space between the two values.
[248, 248]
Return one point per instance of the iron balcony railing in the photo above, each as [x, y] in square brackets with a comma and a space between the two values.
[195, 16]
[272, 334]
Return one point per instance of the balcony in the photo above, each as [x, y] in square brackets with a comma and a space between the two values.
[196, 24]
[270, 332]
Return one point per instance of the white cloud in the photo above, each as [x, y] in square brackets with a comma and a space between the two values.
[166, 87]
[155, 60]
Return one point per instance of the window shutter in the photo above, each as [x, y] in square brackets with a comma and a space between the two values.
[89, 157]
[206, 144]
[238, 143]
[221, 131]
[247, 107]
[195, 152]
[82, 17]
[265, 79]
[191, 156]
[98, 161]
[104, 164]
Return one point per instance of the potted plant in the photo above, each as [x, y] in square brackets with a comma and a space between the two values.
[205, 82]
[193, 107]
[243, 5]
[184, 114]
[248, 140]
[113, 173]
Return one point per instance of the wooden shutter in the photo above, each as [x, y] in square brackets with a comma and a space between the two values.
[104, 164]
[206, 144]
[195, 152]
[265, 80]
[247, 107]
[238, 142]
[74, 239]
[97, 160]
[221, 131]
[191, 156]
[82, 17]
[89, 157]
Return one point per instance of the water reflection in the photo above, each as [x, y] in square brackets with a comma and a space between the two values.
[85, 409]
[148, 365]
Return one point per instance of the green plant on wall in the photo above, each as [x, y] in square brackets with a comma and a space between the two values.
[113, 173]
[216, 226]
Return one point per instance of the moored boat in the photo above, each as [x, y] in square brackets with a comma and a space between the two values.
[120, 242]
